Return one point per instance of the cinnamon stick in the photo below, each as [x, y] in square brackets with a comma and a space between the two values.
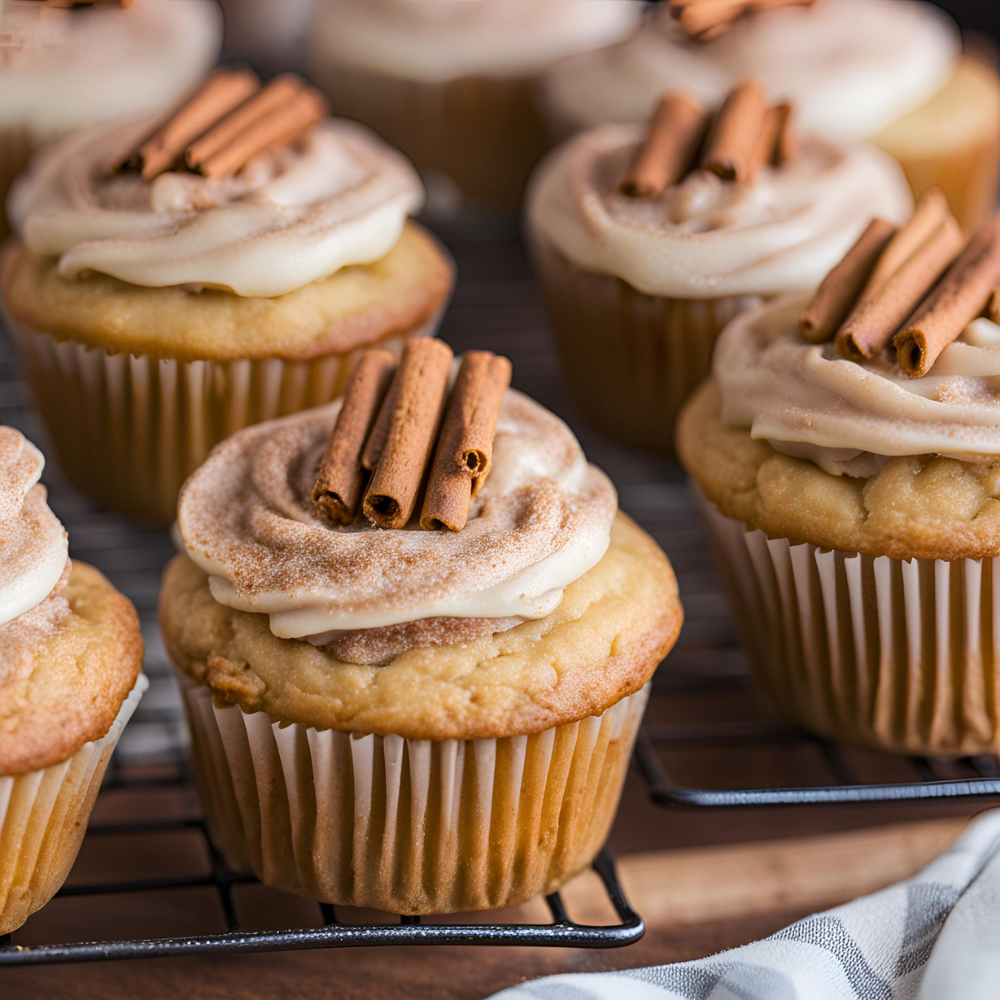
[840, 289]
[337, 492]
[960, 297]
[671, 146]
[375, 444]
[423, 381]
[764, 149]
[786, 147]
[224, 90]
[278, 125]
[465, 446]
[874, 321]
[930, 212]
[696, 17]
[735, 132]
[995, 306]
[277, 92]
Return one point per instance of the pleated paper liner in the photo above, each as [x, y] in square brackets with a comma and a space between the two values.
[43, 817]
[408, 826]
[900, 655]
[484, 134]
[129, 430]
[630, 359]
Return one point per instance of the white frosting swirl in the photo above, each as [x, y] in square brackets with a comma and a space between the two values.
[850, 418]
[293, 215]
[541, 521]
[33, 546]
[706, 238]
[67, 68]
[851, 66]
[438, 40]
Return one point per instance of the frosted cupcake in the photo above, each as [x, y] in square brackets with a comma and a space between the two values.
[70, 655]
[167, 289]
[62, 68]
[848, 477]
[892, 72]
[649, 239]
[454, 84]
[439, 687]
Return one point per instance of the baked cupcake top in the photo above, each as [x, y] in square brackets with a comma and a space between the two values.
[430, 556]
[246, 189]
[62, 68]
[70, 647]
[852, 66]
[776, 224]
[866, 418]
[440, 40]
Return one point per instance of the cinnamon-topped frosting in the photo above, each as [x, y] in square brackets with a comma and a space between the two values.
[61, 68]
[850, 418]
[338, 196]
[852, 66]
[438, 40]
[706, 237]
[541, 521]
[33, 546]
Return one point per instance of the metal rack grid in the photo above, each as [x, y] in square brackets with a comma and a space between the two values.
[496, 305]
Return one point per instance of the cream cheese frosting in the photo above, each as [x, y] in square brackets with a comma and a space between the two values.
[851, 66]
[64, 68]
[541, 521]
[338, 196]
[33, 546]
[850, 418]
[440, 40]
[708, 238]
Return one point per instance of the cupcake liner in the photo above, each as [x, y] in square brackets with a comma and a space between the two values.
[895, 654]
[408, 826]
[130, 429]
[43, 817]
[630, 359]
[484, 134]
[17, 143]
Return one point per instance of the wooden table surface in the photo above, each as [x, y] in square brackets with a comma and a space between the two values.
[703, 879]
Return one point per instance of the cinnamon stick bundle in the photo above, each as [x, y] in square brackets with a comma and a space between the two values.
[675, 133]
[396, 481]
[465, 447]
[840, 289]
[960, 297]
[279, 124]
[873, 322]
[224, 90]
[734, 135]
[277, 92]
[707, 19]
[337, 492]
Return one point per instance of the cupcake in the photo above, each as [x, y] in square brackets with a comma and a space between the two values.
[454, 84]
[167, 289]
[648, 240]
[846, 458]
[70, 655]
[62, 68]
[414, 651]
[891, 72]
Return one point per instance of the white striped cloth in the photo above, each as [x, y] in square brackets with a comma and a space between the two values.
[935, 936]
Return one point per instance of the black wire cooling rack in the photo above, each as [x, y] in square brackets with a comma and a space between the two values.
[496, 306]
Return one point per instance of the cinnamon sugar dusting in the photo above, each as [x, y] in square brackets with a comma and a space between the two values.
[541, 521]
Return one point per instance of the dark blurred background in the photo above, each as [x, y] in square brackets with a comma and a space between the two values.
[977, 15]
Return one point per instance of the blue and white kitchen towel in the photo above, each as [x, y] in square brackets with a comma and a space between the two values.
[935, 936]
